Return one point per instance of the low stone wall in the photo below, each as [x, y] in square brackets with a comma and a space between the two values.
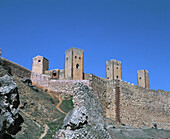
[64, 86]
[16, 69]
[141, 107]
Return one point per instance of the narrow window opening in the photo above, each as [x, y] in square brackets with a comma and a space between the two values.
[39, 60]
[117, 77]
[79, 57]
[117, 67]
[77, 66]
[140, 78]
[107, 68]
[66, 58]
[54, 73]
[107, 77]
[75, 56]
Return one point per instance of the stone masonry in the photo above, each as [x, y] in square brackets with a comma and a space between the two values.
[74, 64]
[143, 78]
[113, 70]
[40, 64]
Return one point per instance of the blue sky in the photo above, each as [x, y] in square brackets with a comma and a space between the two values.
[136, 32]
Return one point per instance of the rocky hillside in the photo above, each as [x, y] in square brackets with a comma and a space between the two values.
[42, 111]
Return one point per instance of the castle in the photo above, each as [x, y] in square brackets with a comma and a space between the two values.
[73, 69]
[134, 105]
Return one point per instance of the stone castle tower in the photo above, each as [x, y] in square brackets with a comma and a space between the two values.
[40, 64]
[113, 70]
[143, 78]
[73, 64]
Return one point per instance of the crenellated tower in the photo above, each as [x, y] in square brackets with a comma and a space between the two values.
[113, 70]
[143, 78]
[40, 64]
[73, 64]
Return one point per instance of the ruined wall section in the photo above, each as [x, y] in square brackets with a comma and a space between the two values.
[16, 69]
[99, 87]
[142, 107]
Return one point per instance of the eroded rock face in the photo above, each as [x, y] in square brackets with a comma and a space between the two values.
[76, 118]
[86, 119]
[87, 108]
[10, 120]
[83, 97]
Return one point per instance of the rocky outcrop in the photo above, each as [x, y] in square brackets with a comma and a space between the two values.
[10, 119]
[86, 119]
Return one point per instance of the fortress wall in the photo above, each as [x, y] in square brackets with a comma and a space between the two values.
[86, 76]
[65, 86]
[141, 107]
[99, 87]
[110, 100]
[16, 69]
[137, 107]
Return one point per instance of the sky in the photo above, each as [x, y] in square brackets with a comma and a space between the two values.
[135, 32]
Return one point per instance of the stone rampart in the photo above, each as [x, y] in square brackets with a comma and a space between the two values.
[142, 107]
[99, 87]
[124, 102]
[64, 86]
[132, 105]
[16, 69]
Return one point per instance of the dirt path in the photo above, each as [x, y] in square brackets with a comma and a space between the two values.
[58, 105]
[45, 131]
[31, 118]
[60, 101]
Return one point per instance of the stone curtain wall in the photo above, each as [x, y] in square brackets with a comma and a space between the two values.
[142, 107]
[16, 69]
[110, 100]
[99, 87]
[133, 105]
[64, 86]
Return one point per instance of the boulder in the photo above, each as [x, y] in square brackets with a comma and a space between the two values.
[10, 119]
[83, 97]
[86, 120]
